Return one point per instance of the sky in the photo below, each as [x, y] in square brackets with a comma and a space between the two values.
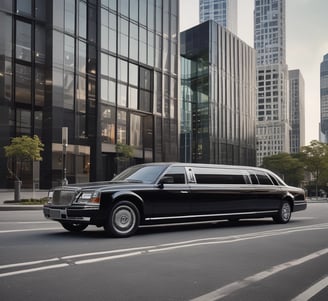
[306, 43]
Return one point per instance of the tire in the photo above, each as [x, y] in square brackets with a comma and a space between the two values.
[123, 220]
[74, 227]
[284, 214]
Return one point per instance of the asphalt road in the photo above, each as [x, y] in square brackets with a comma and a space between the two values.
[249, 260]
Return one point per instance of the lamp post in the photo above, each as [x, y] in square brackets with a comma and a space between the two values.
[65, 144]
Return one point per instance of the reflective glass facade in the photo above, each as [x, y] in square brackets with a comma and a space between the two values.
[106, 69]
[324, 99]
[218, 97]
[297, 110]
[223, 12]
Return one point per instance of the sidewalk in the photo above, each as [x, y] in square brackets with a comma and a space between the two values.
[9, 195]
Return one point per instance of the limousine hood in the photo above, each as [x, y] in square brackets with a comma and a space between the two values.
[99, 185]
[89, 192]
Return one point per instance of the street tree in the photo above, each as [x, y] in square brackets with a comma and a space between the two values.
[315, 158]
[289, 168]
[124, 154]
[22, 149]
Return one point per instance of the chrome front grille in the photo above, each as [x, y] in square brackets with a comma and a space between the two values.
[63, 197]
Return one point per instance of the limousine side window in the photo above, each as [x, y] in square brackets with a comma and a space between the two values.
[217, 177]
[264, 179]
[254, 179]
[274, 180]
[177, 173]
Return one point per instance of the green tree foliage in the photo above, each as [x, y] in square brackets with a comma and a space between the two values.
[23, 149]
[124, 151]
[124, 154]
[315, 159]
[288, 167]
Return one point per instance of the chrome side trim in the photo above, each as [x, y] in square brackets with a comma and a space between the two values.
[208, 215]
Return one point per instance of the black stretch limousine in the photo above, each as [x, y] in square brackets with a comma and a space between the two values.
[173, 192]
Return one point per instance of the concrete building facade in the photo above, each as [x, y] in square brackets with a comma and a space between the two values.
[273, 128]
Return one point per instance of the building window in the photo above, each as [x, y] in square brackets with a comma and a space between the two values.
[24, 7]
[108, 124]
[135, 130]
[23, 41]
[23, 84]
[121, 127]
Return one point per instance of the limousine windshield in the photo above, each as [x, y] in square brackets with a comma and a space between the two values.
[140, 173]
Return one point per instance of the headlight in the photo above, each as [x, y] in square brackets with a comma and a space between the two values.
[50, 196]
[89, 197]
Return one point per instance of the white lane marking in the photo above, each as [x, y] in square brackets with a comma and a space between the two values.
[35, 222]
[237, 285]
[7, 266]
[62, 265]
[27, 230]
[173, 246]
[109, 257]
[107, 252]
[312, 291]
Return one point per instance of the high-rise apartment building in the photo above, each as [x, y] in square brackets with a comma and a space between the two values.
[297, 111]
[324, 99]
[273, 127]
[106, 69]
[223, 12]
[218, 97]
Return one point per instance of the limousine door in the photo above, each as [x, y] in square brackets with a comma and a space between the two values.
[171, 196]
[224, 192]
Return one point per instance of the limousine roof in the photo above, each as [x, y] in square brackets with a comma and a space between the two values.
[220, 166]
[241, 168]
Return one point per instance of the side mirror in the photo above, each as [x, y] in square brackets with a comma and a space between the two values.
[165, 180]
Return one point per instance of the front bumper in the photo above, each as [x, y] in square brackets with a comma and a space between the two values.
[85, 214]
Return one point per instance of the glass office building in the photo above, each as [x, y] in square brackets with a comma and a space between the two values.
[106, 69]
[218, 97]
[297, 110]
[324, 99]
[223, 12]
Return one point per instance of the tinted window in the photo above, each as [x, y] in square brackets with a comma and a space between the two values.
[264, 179]
[217, 176]
[178, 175]
[275, 182]
[254, 179]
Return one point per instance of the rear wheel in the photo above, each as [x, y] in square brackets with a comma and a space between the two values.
[284, 214]
[74, 227]
[123, 220]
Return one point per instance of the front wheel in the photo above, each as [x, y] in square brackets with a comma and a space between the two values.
[74, 227]
[284, 214]
[123, 220]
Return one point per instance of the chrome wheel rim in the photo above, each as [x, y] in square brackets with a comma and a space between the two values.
[285, 212]
[124, 219]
